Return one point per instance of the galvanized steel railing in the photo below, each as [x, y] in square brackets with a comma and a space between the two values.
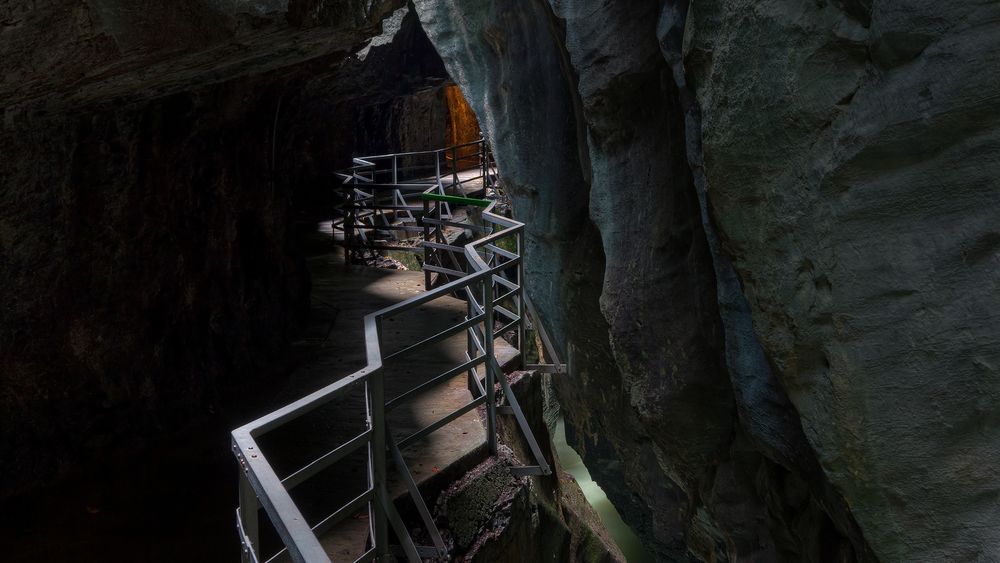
[384, 206]
[492, 284]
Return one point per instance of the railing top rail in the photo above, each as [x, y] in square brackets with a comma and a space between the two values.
[427, 296]
[367, 159]
[292, 527]
[304, 405]
[455, 199]
[402, 186]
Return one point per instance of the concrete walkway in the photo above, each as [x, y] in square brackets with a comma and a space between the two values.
[332, 347]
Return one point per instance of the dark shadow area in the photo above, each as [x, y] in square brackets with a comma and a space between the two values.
[224, 182]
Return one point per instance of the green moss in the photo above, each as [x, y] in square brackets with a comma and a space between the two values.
[473, 506]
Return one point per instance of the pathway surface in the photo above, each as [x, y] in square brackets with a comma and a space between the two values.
[333, 347]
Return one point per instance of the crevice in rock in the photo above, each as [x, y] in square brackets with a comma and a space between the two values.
[765, 411]
[557, 27]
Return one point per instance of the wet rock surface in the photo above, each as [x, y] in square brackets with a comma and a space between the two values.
[851, 177]
[766, 234]
[478, 507]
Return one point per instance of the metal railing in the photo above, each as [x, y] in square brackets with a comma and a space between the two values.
[383, 208]
[491, 282]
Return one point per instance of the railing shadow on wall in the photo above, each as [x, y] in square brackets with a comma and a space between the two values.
[487, 273]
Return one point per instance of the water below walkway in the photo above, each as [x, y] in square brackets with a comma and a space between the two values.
[572, 463]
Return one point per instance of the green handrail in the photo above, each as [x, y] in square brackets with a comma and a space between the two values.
[456, 199]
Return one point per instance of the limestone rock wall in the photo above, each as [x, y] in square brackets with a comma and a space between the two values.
[388, 96]
[852, 173]
[146, 267]
[67, 53]
[783, 216]
[147, 251]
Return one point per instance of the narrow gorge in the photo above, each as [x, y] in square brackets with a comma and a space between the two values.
[750, 256]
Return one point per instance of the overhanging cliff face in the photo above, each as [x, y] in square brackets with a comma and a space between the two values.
[66, 53]
[149, 156]
[594, 151]
[798, 366]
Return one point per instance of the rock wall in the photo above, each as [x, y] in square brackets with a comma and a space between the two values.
[388, 96]
[852, 176]
[64, 53]
[145, 266]
[149, 163]
[765, 235]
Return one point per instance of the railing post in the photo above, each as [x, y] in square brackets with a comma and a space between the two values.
[491, 407]
[483, 166]
[249, 506]
[378, 445]
[427, 248]
[395, 170]
[349, 224]
[521, 309]
[454, 171]
[439, 228]
[491, 166]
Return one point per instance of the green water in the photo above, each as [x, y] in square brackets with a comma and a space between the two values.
[626, 539]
